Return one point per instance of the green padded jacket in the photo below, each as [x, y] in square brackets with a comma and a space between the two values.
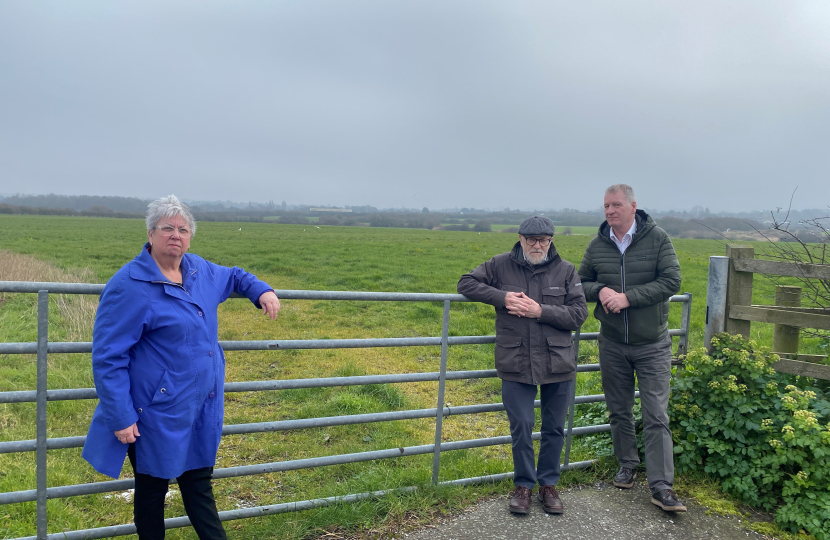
[648, 274]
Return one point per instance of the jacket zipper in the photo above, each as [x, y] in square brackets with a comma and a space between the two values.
[622, 279]
[529, 332]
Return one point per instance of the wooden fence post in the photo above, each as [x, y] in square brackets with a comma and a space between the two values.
[785, 338]
[738, 288]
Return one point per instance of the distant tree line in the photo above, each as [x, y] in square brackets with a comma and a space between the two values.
[79, 203]
[710, 227]
[697, 223]
[93, 211]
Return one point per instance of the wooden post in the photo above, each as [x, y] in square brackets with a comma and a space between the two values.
[785, 338]
[738, 288]
[813, 358]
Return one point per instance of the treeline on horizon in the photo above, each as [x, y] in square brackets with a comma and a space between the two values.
[365, 216]
[698, 223]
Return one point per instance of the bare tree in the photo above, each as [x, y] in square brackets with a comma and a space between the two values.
[805, 244]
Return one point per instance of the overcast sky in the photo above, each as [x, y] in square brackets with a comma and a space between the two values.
[429, 103]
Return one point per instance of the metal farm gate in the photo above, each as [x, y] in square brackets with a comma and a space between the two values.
[41, 395]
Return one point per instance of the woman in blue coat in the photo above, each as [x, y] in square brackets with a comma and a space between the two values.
[159, 370]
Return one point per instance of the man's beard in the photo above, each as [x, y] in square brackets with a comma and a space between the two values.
[535, 258]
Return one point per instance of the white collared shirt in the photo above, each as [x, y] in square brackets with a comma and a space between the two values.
[623, 244]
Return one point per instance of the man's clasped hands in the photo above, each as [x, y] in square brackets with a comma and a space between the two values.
[521, 305]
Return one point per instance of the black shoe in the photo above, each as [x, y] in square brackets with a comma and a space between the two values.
[625, 478]
[668, 501]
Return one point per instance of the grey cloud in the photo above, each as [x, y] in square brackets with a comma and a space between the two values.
[726, 105]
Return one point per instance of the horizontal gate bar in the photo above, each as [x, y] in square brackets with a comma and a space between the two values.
[290, 384]
[58, 443]
[59, 288]
[227, 515]
[292, 344]
[284, 425]
[94, 288]
[371, 296]
[55, 443]
[492, 478]
[77, 347]
[27, 396]
[270, 345]
[288, 294]
[97, 288]
[282, 466]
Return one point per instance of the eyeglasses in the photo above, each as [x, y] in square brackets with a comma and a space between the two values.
[168, 230]
[543, 242]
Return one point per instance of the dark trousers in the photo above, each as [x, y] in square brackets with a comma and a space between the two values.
[518, 399]
[652, 365]
[197, 494]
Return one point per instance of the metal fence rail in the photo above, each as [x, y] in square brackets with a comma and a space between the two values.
[41, 396]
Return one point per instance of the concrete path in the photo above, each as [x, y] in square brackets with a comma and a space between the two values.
[600, 512]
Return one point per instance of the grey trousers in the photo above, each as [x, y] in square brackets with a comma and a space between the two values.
[652, 364]
[518, 401]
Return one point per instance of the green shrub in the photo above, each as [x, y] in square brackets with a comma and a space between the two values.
[764, 434]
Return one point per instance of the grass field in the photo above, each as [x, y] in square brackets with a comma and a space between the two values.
[297, 257]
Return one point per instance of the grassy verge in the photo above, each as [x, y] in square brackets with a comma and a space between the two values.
[706, 491]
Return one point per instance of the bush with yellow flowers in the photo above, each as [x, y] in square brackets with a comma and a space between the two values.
[764, 434]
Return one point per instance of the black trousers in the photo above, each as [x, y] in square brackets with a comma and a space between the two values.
[197, 494]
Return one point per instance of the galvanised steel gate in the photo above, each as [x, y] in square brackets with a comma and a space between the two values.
[41, 395]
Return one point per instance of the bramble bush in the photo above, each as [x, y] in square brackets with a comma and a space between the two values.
[764, 434]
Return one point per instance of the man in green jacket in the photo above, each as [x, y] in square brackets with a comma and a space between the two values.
[630, 270]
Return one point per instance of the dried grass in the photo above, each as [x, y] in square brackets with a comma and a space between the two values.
[77, 310]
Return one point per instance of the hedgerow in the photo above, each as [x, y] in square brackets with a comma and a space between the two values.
[764, 434]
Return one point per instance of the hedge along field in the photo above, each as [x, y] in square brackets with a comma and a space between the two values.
[300, 257]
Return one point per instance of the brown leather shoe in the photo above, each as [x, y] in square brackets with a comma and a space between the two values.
[668, 501]
[625, 478]
[550, 500]
[520, 500]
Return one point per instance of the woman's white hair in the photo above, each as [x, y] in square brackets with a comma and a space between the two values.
[167, 207]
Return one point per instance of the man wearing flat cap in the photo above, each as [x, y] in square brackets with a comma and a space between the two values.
[539, 300]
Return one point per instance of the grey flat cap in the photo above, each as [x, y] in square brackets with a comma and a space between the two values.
[536, 226]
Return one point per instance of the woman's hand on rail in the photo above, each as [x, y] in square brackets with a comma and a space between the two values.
[128, 434]
[270, 304]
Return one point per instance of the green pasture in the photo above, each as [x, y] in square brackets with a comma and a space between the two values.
[578, 229]
[305, 257]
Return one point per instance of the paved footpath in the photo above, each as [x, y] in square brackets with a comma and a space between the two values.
[600, 512]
